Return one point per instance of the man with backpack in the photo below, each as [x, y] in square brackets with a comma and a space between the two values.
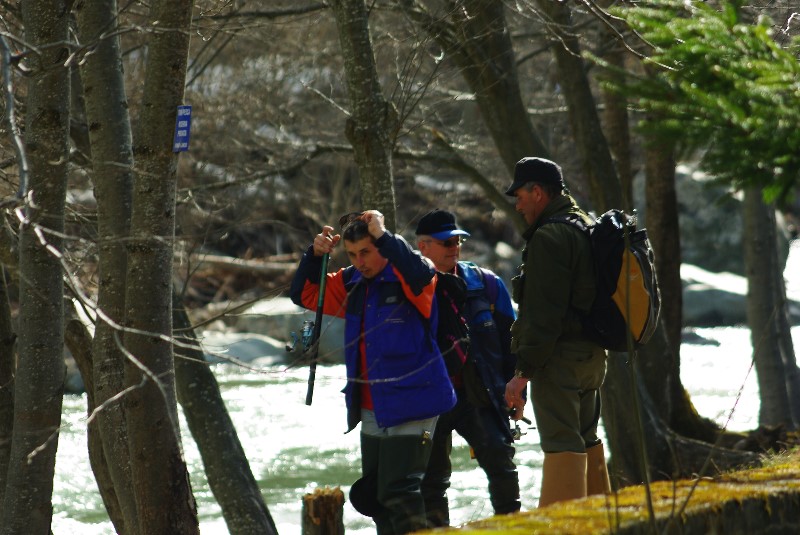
[555, 289]
[397, 383]
[479, 374]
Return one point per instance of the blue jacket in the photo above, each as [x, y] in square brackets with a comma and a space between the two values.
[396, 313]
[490, 314]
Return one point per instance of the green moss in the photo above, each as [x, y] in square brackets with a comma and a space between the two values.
[605, 514]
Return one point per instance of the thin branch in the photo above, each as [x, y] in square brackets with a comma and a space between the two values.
[270, 14]
[11, 119]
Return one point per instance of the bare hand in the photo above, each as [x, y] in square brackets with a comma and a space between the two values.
[374, 220]
[325, 241]
[516, 403]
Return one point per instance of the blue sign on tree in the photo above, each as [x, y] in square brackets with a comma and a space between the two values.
[183, 124]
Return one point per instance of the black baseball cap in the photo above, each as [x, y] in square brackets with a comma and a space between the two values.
[364, 495]
[439, 224]
[533, 169]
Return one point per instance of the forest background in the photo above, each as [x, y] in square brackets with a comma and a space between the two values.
[304, 111]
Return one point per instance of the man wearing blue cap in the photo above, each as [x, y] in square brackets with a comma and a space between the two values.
[565, 369]
[480, 414]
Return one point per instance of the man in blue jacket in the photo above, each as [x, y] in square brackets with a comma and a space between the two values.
[480, 414]
[397, 384]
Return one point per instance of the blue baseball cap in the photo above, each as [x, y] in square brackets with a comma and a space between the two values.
[440, 225]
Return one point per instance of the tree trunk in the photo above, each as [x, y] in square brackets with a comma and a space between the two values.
[7, 365]
[660, 377]
[164, 499]
[675, 405]
[615, 113]
[27, 503]
[590, 140]
[372, 122]
[79, 342]
[226, 465]
[636, 425]
[477, 38]
[664, 233]
[786, 344]
[488, 65]
[112, 161]
[764, 309]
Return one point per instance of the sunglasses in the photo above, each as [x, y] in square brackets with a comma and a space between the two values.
[455, 241]
[349, 218]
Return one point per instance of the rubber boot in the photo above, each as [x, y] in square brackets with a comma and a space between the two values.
[501, 472]
[437, 481]
[401, 467]
[563, 477]
[597, 481]
[363, 492]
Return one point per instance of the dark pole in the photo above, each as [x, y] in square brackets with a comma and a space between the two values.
[313, 349]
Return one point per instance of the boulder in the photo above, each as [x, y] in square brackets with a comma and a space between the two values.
[713, 299]
[720, 299]
[278, 318]
[236, 347]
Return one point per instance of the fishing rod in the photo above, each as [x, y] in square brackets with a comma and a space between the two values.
[313, 345]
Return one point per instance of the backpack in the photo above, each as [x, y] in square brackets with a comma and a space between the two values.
[628, 299]
[452, 333]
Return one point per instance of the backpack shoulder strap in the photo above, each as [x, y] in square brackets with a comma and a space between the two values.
[489, 282]
[573, 220]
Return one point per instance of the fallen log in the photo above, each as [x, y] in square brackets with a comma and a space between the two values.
[257, 266]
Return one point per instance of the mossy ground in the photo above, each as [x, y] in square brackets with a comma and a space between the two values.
[780, 474]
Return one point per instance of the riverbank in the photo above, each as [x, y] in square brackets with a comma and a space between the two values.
[760, 500]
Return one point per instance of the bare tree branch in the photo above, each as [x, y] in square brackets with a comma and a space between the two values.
[11, 119]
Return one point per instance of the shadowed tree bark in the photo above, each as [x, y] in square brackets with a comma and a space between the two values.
[615, 110]
[111, 152]
[38, 387]
[591, 143]
[662, 376]
[663, 368]
[79, 342]
[475, 35]
[778, 377]
[667, 454]
[372, 124]
[110, 145]
[164, 500]
[7, 364]
[661, 200]
[226, 466]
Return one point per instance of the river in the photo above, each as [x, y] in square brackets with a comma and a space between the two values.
[294, 448]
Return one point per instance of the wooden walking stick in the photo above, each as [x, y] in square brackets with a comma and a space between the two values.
[313, 347]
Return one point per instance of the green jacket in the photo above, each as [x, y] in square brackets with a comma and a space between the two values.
[555, 284]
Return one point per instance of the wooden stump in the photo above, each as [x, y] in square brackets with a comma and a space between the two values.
[323, 512]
